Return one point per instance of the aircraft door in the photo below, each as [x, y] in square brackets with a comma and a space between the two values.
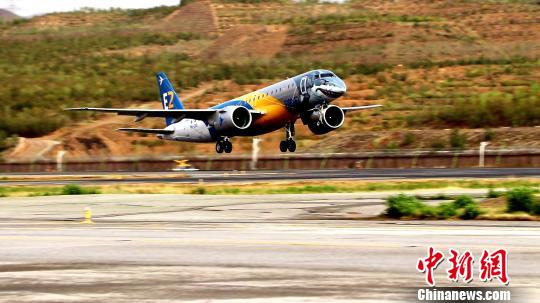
[305, 84]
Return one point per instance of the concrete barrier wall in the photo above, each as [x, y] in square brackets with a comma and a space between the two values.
[410, 159]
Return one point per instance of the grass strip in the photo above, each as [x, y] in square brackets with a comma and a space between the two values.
[294, 187]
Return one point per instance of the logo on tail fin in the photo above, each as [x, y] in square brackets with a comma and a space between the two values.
[168, 102]
[169, 98]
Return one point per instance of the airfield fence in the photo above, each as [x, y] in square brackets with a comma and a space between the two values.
[360, 160]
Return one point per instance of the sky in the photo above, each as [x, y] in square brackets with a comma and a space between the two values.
[27, 8]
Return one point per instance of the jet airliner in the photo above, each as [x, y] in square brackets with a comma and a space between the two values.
[306, 97]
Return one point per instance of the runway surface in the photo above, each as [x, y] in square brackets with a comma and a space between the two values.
[272, 248]
[247, 176]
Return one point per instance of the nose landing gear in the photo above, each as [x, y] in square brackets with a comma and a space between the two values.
[288, 144]
[223, 145]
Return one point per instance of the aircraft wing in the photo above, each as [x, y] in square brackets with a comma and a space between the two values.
[178, 114]
[350, 109]
[148, 130]
[198, 114]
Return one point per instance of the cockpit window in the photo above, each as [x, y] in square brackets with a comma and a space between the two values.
[327, 75]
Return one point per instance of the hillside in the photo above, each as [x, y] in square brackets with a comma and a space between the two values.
[435, 65]
[6, 15]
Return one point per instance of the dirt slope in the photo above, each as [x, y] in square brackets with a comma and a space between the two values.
[32, 149]
[195, 17]
[235, 47]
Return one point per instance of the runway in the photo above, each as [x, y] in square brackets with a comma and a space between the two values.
[269, 248]
[260, 176]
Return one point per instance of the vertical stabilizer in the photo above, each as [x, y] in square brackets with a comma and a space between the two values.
[169, 98]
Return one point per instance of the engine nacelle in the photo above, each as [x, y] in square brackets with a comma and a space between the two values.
[327, 119]
[231, 118]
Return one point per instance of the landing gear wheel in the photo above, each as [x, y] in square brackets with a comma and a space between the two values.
[227, 146]
[283, 146]
[291, 145]
[219, 147]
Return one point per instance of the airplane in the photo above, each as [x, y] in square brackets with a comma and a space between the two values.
[306, 97]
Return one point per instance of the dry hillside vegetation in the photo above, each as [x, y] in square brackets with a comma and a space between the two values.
[437, 66]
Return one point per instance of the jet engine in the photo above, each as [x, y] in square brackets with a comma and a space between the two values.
[232, 118]
[324, 120]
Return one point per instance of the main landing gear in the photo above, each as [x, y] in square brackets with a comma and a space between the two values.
[223, 145]
[288, 144]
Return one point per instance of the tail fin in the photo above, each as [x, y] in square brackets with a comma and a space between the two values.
[169, 98]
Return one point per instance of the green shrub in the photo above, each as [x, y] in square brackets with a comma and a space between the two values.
[536, 208]
[402, 206]
[91, 191]
[457, 140]
[463, 201]
[446, 210]
[391, 146]
[427, 212]
[470, 212]
[520, 199]
[3, 142]
[159, 11]
[493, 193]
[199, 191]
[408, 206]
[74, 189]
[489, 135]
[409, 139]
[437, 144]
[520, 107]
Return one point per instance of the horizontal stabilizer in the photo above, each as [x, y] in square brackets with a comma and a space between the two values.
[148, 130]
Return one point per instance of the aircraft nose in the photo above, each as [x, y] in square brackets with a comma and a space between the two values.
[341, 87]
[333, 88]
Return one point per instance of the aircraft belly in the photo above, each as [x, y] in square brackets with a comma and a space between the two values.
[192, 131]
[275, 117]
